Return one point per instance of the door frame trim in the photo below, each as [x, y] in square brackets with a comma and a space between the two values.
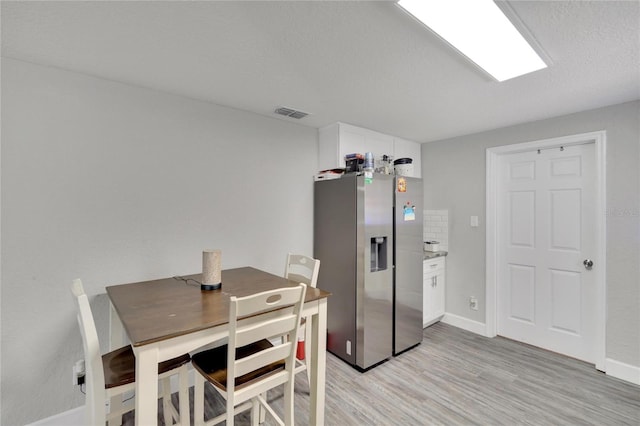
[599, 138]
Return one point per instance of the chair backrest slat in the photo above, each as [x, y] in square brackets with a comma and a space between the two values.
[303, 269]
[261, 359]
[272, 328]
[267, 300]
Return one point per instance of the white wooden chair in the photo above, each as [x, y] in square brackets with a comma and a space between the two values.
[254, 364]
[303, 269]
[113, 374]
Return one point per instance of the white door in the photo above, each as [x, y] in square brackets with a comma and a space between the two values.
[546, 217]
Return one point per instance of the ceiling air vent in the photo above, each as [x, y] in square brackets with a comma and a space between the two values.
[289, 112]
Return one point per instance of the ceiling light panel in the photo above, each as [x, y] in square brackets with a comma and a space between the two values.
[481, 32]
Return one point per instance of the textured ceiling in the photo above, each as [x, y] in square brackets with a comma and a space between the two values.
[364, 63]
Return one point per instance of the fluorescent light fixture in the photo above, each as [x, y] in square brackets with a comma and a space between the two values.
[481, 32]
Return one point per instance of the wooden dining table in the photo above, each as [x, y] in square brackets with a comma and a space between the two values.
[168, 317]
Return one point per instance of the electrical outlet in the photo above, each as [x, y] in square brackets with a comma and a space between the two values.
[473, 303]
[78, 373]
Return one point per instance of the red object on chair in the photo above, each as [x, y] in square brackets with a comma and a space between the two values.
[300, 349]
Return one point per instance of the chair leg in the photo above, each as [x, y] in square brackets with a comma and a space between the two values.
[288, 403]
[263, 411]
[115, 405]
[256, 410]
[183, 394]
[230, 411]
[198, 400]
[166, 401]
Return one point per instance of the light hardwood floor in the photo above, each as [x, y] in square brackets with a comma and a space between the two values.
[459, 378]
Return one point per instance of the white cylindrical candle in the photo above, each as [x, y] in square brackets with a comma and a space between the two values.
[211, 267]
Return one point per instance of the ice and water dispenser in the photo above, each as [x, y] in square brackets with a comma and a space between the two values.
[378, 254]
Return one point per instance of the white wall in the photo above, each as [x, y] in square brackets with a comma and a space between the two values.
[113, 184]
[456, 180]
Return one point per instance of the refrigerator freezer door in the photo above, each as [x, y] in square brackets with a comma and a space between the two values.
[375, 280]
[408, 259]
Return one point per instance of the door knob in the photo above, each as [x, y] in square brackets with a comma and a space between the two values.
[588, 263]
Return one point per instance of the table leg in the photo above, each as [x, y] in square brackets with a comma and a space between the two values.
[308, 352]
[116, 340]
[146, 385]
[318, 364]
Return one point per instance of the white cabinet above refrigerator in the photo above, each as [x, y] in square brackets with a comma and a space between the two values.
[338, 139]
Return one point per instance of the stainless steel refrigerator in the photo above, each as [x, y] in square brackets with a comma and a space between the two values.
[368, 237]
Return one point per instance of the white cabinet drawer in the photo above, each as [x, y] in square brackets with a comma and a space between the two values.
[432, 265]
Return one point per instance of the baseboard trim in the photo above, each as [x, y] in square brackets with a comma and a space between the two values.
[622, 371]
[465, 324]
